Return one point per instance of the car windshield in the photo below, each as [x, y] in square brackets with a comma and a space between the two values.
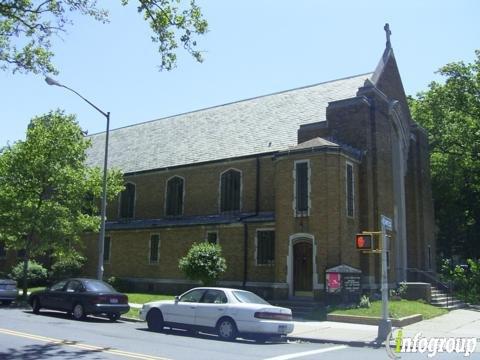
[98, 286]
[248, 297]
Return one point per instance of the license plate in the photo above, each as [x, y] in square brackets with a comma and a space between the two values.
[282, 328]
[113, 300]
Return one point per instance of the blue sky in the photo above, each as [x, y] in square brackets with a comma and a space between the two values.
[253, 48]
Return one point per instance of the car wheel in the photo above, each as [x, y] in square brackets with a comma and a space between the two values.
[78, 312]
[226, 329]
[155, 320]
[113, 316]
[36, 305]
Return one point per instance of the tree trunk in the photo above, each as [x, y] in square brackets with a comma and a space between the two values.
[25, 280]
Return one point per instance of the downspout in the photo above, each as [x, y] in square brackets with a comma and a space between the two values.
[245, 225]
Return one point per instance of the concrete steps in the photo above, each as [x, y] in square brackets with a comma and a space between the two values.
[443, 300]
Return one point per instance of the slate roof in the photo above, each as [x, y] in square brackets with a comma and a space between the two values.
[259, 125]
[183, 221]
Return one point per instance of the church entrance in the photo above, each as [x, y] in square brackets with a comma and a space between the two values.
[302, 269]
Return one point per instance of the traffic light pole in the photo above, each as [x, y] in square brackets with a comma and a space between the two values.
[385, 326]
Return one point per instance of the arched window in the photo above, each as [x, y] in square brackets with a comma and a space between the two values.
[127, 201]
[230, 190]
[174, 197]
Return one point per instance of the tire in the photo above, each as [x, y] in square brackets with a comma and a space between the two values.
[155, 320]
[114, 316]
[226, 329]
[36, 305]
[78, 312]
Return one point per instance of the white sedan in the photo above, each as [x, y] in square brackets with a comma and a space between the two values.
[226, 312]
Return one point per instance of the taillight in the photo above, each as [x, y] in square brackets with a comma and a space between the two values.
[102, 299]
[273, 316]
[123, 299]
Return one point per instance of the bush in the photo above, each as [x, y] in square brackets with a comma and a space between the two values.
[67, 266]
[36, 274]
[203, 262]
[465, 279]
[364, 302]
[118, 284]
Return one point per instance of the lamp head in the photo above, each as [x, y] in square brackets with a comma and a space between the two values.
[51, 81]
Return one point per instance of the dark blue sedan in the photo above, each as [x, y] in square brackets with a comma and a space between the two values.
[81, 297]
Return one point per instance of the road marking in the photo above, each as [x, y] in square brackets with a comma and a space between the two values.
[306, 353]
[78, 345]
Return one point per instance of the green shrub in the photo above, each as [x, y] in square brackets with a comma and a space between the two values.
[364, 302]
[203, 262]
[67, 266]
[36, 274]
[121, 285]
[465, 280]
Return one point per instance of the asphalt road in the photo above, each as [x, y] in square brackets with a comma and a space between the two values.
[54, 335]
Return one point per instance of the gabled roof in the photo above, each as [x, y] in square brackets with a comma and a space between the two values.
[259, 125]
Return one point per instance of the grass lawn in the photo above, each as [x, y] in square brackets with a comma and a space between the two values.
[133, 313]
[397, 309]
[139, 298]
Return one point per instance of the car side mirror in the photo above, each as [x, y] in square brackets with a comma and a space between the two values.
[177, 299]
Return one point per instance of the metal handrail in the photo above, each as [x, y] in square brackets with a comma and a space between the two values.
[437, 283]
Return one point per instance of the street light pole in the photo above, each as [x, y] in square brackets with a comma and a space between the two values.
[101, 239]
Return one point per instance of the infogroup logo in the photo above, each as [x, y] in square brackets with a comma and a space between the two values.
[432, 346]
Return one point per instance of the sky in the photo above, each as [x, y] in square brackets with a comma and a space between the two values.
[252, 48]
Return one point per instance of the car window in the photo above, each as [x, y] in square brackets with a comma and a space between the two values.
[215, 297]
[248, 297]
[98, 286]
[192, 296]
[74, 286]
[58, 286]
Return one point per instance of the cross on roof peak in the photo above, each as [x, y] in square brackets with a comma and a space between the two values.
[388, 33]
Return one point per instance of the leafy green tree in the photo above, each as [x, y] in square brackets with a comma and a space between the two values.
[203, 262]
[450, 112]
[36, 273]
[48, 196]
[27, 26]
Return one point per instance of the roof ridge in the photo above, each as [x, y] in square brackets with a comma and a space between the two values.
[234, 102]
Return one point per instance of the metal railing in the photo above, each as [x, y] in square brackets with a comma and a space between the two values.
[431, 278]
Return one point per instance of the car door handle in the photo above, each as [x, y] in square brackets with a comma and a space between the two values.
[193, 307]
[220, 309]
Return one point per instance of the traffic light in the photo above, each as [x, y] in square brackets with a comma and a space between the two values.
[364, 241]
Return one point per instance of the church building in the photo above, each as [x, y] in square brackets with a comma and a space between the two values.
[281, 182]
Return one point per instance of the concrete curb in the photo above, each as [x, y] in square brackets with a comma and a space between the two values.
[369, 320]
[371, 344]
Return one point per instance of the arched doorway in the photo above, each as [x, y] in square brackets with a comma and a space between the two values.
[302, 268]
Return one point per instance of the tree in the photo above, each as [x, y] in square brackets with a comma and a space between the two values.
[450, 112]
[203, 262]
[27, 26]
[48, 196]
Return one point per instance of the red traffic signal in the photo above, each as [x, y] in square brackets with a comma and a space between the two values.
[364, 241]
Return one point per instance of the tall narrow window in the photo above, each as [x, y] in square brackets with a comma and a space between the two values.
[212, 237]
[350, 190]
[429, 257]
[127, 201]
[174, 197]
[106, 249]
[230, 189]
[265, 247]
[154, 249]
[301, 188]
[3, 251]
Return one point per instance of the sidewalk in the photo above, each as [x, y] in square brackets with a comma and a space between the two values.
[457, 323]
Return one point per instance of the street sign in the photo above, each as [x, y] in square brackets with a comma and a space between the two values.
[386, 223]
